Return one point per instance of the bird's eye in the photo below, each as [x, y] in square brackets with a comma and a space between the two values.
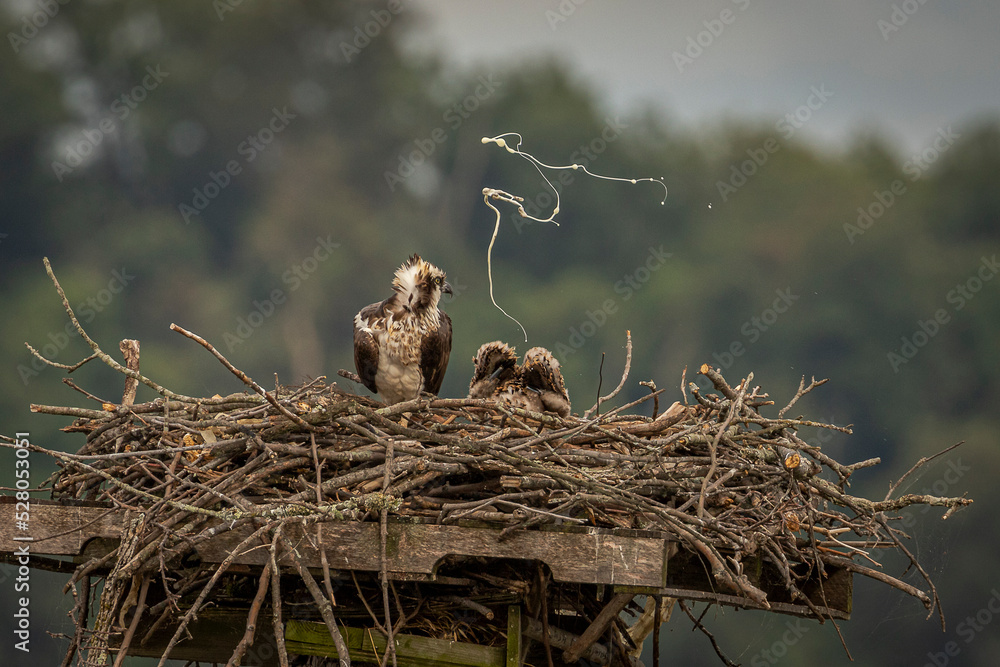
[438, 280]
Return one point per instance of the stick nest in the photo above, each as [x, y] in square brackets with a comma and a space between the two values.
[712, 474]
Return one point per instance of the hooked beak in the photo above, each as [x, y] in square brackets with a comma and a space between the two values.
[446, 288]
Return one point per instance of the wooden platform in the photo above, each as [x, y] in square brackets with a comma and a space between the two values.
[629, 560]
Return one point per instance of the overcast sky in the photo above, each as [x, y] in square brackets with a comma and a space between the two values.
[904, 68]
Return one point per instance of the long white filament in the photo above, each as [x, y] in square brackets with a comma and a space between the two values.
[491, 193]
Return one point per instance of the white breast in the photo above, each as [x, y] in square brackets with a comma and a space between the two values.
[397, 381]
[398, 376]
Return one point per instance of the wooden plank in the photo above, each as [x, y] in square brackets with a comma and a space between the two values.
[595, 556]
[57, 529]
[366, 645]
[632, 561]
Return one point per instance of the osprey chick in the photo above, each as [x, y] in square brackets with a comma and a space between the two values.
[401, 345]
[495, 367]
[535, 385]
[540, 374]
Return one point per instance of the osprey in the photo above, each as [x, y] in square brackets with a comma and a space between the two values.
[537, 384]
[542, 378]
[495, 370]
[401, 345]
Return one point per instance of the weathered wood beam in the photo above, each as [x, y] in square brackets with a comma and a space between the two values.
[597, 627]
[632, 561]
[367, 645]
[592, 556]
[559, 638]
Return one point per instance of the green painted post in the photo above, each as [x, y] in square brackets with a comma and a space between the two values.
[514, 635]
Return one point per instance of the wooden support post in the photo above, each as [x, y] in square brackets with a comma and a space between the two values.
[514, 635]
[657, 610]
[597, 628]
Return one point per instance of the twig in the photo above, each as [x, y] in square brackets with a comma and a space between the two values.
[649, 384]
[600, 383]
[265, 579]
[81, 609]
[735, 406]
[130, 350]
[353, 377]
[802, 391]
[916, 466]
[279, 628]
[711, 638]
[247, 380]
[628, 367]
[139, 610]
[223, 566]
[98, 352]
[324, 605]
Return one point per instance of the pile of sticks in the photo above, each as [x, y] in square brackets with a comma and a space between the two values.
[710, 472]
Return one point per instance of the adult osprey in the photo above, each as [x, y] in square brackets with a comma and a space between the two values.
[401, 345]
[537, 384]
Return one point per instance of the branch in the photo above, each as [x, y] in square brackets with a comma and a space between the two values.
[98, 352]
[923, 461]
[243, 376]
[628, 366]
[325, 608]
[802, 391]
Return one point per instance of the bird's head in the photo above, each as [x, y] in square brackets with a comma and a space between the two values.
[495, 364]
[541, 369]
[420, 284]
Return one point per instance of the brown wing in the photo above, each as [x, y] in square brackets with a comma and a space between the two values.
[434, 352]
[366, 349]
